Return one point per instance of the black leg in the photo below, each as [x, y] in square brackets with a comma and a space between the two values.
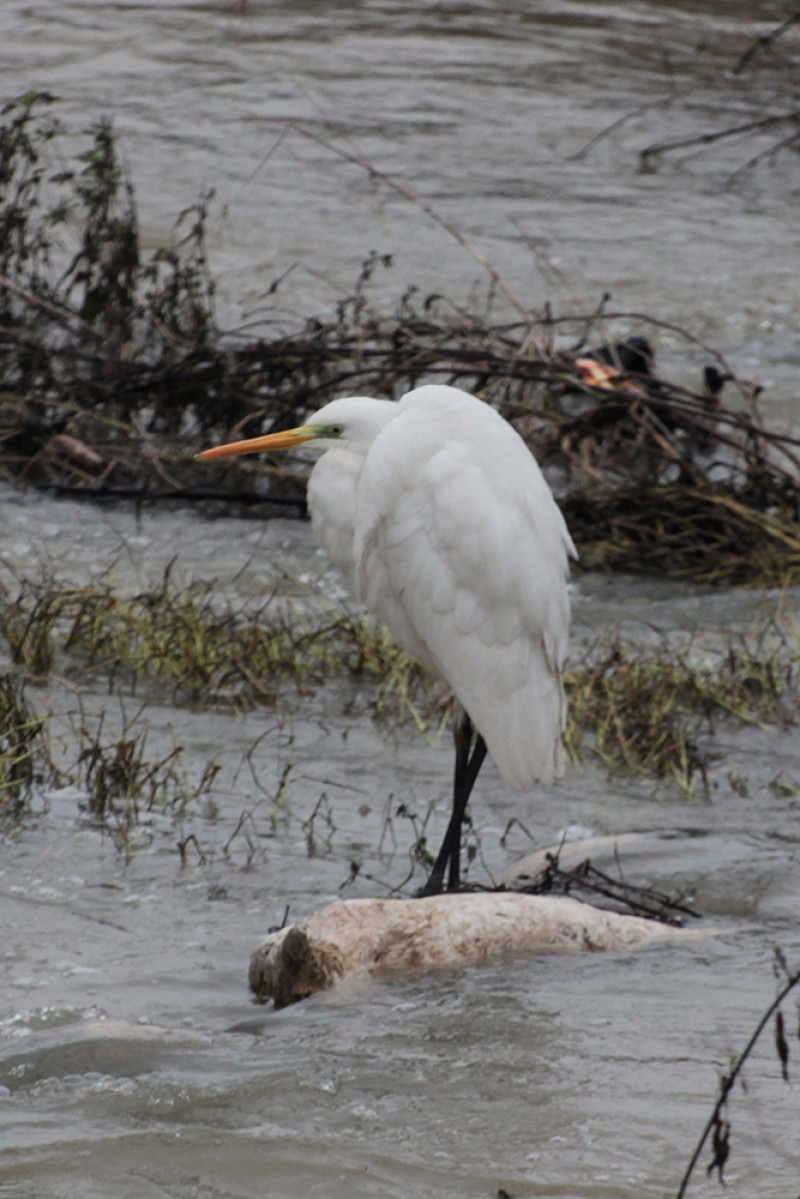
[469, 759]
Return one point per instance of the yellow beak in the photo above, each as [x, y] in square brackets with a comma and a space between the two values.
[258, 445]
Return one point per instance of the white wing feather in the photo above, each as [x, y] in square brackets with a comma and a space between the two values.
[461, 551]
[332, 504]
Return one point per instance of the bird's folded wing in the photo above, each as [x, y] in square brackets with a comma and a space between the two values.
[463, 555]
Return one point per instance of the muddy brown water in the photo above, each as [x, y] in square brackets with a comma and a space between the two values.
[557, 1077]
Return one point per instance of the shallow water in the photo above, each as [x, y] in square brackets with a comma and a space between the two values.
[550, 1077]
[557, 1077]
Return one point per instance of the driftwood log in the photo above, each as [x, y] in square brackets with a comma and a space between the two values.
[361, 939]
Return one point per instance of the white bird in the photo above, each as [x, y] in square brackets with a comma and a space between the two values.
[442, 524]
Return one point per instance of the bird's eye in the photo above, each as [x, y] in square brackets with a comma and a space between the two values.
[336, 430]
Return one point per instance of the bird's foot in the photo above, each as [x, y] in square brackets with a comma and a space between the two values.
[434, 886]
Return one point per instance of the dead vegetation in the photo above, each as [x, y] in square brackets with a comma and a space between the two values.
[113, 373]
[178, 641]
[733, 99]
[646, 710]
[123, 785]
[717, 1132]
[612, 893]
[174, 642]
[117, 782]
[641, 710]
[758, 105]
[21, 747]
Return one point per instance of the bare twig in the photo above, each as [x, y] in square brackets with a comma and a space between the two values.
[402, 189]
[705, 139]
[641, 901]
[770, 152]
[714, 1122]
[763, 41]
[608, 130]
[61, 313]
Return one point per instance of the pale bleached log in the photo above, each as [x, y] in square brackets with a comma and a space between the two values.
[360, 939]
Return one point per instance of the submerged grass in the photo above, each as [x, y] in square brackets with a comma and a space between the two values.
[116, 779]
[21, 744]
[122, 782]
[645, 710]
[702, 533]
[181, 638]
[638, 709]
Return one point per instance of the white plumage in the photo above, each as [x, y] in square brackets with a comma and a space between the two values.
[441, 522]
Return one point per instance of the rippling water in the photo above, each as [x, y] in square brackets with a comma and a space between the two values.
[557, 1077]
[484, 110]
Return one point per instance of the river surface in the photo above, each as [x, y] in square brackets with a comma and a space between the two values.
[572, 1077]
[488, 111]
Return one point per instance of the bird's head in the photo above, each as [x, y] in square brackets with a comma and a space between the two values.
[351, 423]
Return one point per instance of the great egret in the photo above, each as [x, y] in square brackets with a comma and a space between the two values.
[443, 525]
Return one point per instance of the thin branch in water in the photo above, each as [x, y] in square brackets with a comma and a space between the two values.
[61, 313]
[771, 152]
[503, 287]
[716, 1127]
[763, 41]
[705, 139]
[620, 122]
